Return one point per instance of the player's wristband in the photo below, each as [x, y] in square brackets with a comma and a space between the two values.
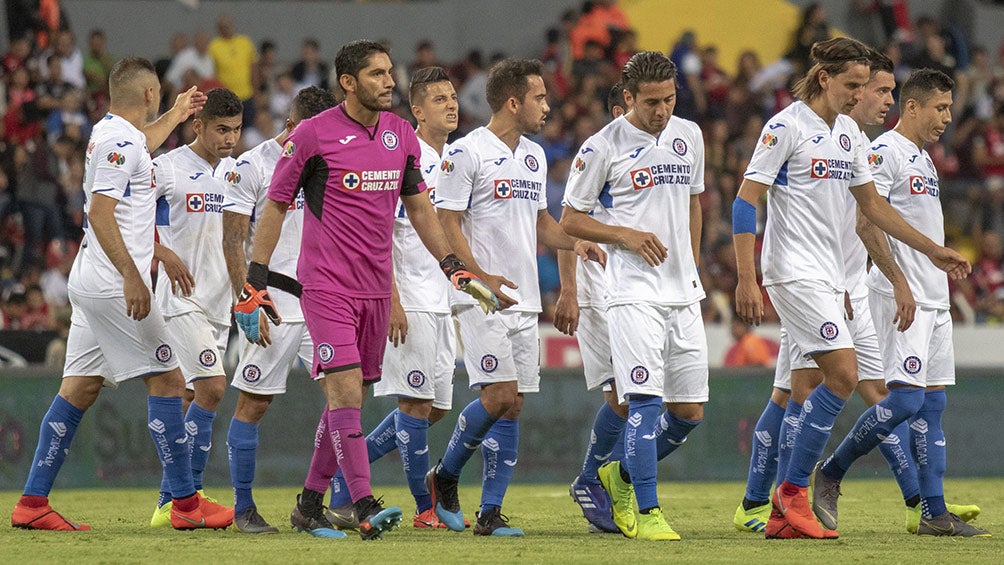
[451, 264]
[743, 217]
[257, 275]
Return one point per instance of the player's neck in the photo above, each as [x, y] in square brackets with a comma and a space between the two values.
[907, 132]
[204, 154]
[135, 116]
[435, 139]
[506, 131]
[823, 110]
[361, 113]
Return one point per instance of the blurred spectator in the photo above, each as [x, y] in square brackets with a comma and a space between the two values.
[749, 348]
[425, 56]
[715, 83]
[988, 280]
[234, 56]
[988, 147]
[598, 21]
[690, 101]
[13, 308]
[267, 68]
[68, 120]
[97, 64]
[474, 109]
[55, 352]
[195, 57]
[21, 120]
[37, 195]
[70, 58]
[53, 280]
[812, 29]
[17, 54]
[310, 70]
[36, 311]
[51, 90]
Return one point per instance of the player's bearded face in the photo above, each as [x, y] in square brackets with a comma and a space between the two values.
[375, 85]
[654, 105]
[533, 110]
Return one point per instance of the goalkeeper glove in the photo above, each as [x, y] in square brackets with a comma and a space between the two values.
[253, 300]
[465, 281]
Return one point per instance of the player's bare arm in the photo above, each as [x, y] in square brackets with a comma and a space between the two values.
[450, 221]
[566, 310]
[235, 232]
[552, 235]
[397, 326]
[877, 245]
[582, 225]
[749, 300]
[696, 227]
[176, 270]
[101, 218]
[186, 104]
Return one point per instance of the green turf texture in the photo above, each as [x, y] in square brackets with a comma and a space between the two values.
[871, 529]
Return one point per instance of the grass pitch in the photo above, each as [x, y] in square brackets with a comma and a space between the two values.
[871, 520]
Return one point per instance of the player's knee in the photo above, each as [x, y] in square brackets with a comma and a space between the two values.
[872, 391]
[416, 408]
[209, 392]
[81, 392]
[499, 398]
[169, 384]
[436, 414]
[780, 397]
[687, 410]
[614, 403]
[251, 408]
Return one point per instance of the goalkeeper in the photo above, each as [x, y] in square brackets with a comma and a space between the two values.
[353, 162]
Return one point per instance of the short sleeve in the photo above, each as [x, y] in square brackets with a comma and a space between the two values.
[292, 171]
[776, 145]
[860, 166]
[542, 204]
[412, 181]
[116, 164]
[589, 173]
[697, 174]
[243, 187]
[456, 179]
[884, 168]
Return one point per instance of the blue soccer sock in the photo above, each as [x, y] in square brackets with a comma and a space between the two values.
[896, 450]
[413, 445]
[500, 450]
[640, 448]
[199, 425]
[786, 438]
[167, 428]
[607, 432]
[618, 451]
[763, 459]
[55, 434]
[379, 442]
[472, 426]
[242, 443]
[165, 490]
[873, 426]
[670, 433]
[927, 440]
[819, 411]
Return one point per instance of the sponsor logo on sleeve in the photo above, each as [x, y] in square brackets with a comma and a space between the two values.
[289, 149]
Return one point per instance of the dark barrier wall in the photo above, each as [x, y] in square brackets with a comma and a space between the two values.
[113, 446]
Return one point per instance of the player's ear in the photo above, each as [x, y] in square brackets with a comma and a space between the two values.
[347, 82]
[416, 111]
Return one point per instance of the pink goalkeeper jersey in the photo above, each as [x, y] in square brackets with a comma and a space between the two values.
[352, 176]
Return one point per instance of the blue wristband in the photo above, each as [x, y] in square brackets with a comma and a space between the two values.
[743, 217]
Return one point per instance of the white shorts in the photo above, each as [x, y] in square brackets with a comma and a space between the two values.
[924, 354]
[593, 336]
[813, 315]
[104, 341]
[263, 370]
[422, 366]
[500, 347]
[659, 351]
[200, 345]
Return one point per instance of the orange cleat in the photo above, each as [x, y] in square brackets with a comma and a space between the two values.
[43, 518]
[428, 519]
[206, 515]
[796, 511]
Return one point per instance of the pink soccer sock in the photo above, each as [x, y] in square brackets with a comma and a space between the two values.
[349, 446]
[323, 464]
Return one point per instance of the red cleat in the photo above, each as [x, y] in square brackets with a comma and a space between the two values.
[427, 519]
[779, 528]
[43, 518]
[796, 510]
[206, 515]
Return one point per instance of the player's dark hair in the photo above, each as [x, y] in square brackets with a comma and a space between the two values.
[510, 78]
[923, 84]
[421, 80]
[311, 101]
[616, 98]
[880, 63]
[646, 66]
[123, 74]
[834, 56]
[355, 56]
[220, 103]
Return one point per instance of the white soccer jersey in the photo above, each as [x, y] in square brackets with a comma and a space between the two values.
[808, 168]
[502, 192]
[644, 183]
[855, 254]
[906, 176]
[247, 191]
[190, 223]
[420, 282]
[117, 165]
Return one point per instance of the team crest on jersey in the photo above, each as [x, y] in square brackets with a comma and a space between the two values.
[845, 142]
[930, 164]
[912, 365]
[207, 358]
[325, 352]
[116, 159]
[680, 146]
[875, 160]
[233, 177]
[251, 374]
[351, 180]
[389, 139]
[642, 178]
[489, 363]
[829, 331]
[531, 163]
[446, 167]
[639, 375]
[195, 202]
[768, 140]
[289, 149]
[917, 185]
[416, 379]
[820, 169]
[503, 189]
[164, 353]
[579, 165]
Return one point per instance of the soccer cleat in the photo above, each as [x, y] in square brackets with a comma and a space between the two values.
[250, 522]
[342, 517]
[779, 528]
[206, 515]
[825, 492]
[43, 518]
[595, 503]
[315, 525]
[949, 524]
[493, 522]
[427, 520]
[374, 519]
[202, 493]
[796, 510]
[445, 499]
[653, 526]
[752, 520]
[968, 513]
[161, 516]
[621, 496]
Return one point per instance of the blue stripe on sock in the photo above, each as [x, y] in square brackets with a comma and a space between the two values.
[55, 434]
[763, 459]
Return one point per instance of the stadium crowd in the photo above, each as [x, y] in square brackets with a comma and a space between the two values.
[54, 85]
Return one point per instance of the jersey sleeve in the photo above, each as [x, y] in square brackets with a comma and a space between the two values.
[456, 179]
[884, 168]
[776, 145]
[697, 174]
[163, 176]
[412, 181]
[860, 167]
[588, 175]
[295, 163]
[117, 161]
[243, 188]
[542, 204]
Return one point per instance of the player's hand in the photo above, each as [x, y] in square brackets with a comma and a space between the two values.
[486, 291]
[590, 251]
[848, 308]
[566, 313]
[137, 296]
[177, 272]
[189, 102]
[253, 303]
[749, 302]
[645, 244]
[906, 308]
[951, 262]
[397, 328]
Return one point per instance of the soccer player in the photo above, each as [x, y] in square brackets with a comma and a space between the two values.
[353, 162]
[111, 342]
[581, 308]
[261, 373]
[647, 171]
[493, 207]
[189, 185]
[919, 360]
[808, 156]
